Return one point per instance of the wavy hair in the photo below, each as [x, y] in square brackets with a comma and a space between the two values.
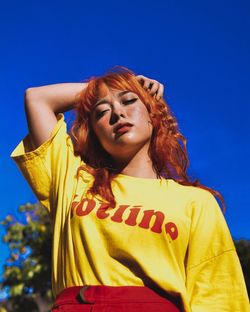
[167, 147]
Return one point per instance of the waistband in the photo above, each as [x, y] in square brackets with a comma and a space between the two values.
[111, 294]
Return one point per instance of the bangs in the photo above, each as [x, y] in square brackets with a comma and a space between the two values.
[98, 87]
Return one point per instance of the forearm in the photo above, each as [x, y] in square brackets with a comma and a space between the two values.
[58, 97]
[42, 104]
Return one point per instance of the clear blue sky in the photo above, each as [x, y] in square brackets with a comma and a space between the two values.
[200, 51]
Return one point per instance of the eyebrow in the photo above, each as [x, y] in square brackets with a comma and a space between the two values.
[106, 101]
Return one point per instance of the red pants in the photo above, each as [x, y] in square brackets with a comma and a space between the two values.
[112, 299]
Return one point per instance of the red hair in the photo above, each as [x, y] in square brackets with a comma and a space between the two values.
[167, 147]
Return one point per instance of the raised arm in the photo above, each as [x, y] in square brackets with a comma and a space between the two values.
[42, 104]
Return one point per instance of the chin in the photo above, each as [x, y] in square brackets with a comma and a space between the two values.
[127, 147]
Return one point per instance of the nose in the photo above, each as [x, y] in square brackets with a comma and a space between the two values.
[118, 111]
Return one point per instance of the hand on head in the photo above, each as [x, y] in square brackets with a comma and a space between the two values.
[155, 88]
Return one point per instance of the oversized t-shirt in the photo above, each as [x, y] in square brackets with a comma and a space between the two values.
[161, 234]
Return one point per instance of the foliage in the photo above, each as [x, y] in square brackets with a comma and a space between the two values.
[27, 270]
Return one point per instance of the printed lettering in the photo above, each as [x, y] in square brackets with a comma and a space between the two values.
[101, 212]
[148, 214]
[131, 220]
[85, 207]
[117, 217]
[172, 230]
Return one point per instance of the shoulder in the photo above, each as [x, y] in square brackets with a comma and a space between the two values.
[197, 203]
[190, 193]
[59, 138]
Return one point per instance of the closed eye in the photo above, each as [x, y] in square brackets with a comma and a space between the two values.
[129, 101]
[101, 113]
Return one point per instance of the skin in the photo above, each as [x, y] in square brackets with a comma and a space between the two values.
[129, 151]
[129, 146]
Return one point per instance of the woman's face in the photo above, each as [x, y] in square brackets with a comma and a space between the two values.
[121, 123]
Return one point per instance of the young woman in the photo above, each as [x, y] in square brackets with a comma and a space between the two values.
[131, 232]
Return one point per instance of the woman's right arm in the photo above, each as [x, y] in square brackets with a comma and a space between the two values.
[42, 104]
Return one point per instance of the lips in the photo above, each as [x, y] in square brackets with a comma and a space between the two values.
[122, 127]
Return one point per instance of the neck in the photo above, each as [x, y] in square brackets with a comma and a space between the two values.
[138, 165]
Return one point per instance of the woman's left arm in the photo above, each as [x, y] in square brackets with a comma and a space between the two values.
[214, 278]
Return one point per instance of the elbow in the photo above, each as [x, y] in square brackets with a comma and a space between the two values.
[29, 94]
[28, 99]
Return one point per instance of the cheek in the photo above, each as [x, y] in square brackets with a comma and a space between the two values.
[140, 117]
[102, 131]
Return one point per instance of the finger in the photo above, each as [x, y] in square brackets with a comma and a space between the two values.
[141, 79]
[147, 85]
[145, 82]
[160, 92]
[154, 88]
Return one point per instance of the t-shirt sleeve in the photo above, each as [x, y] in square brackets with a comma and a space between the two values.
[215, 281]
[45, 167]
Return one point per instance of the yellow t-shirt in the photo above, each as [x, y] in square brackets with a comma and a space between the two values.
[161, 234]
